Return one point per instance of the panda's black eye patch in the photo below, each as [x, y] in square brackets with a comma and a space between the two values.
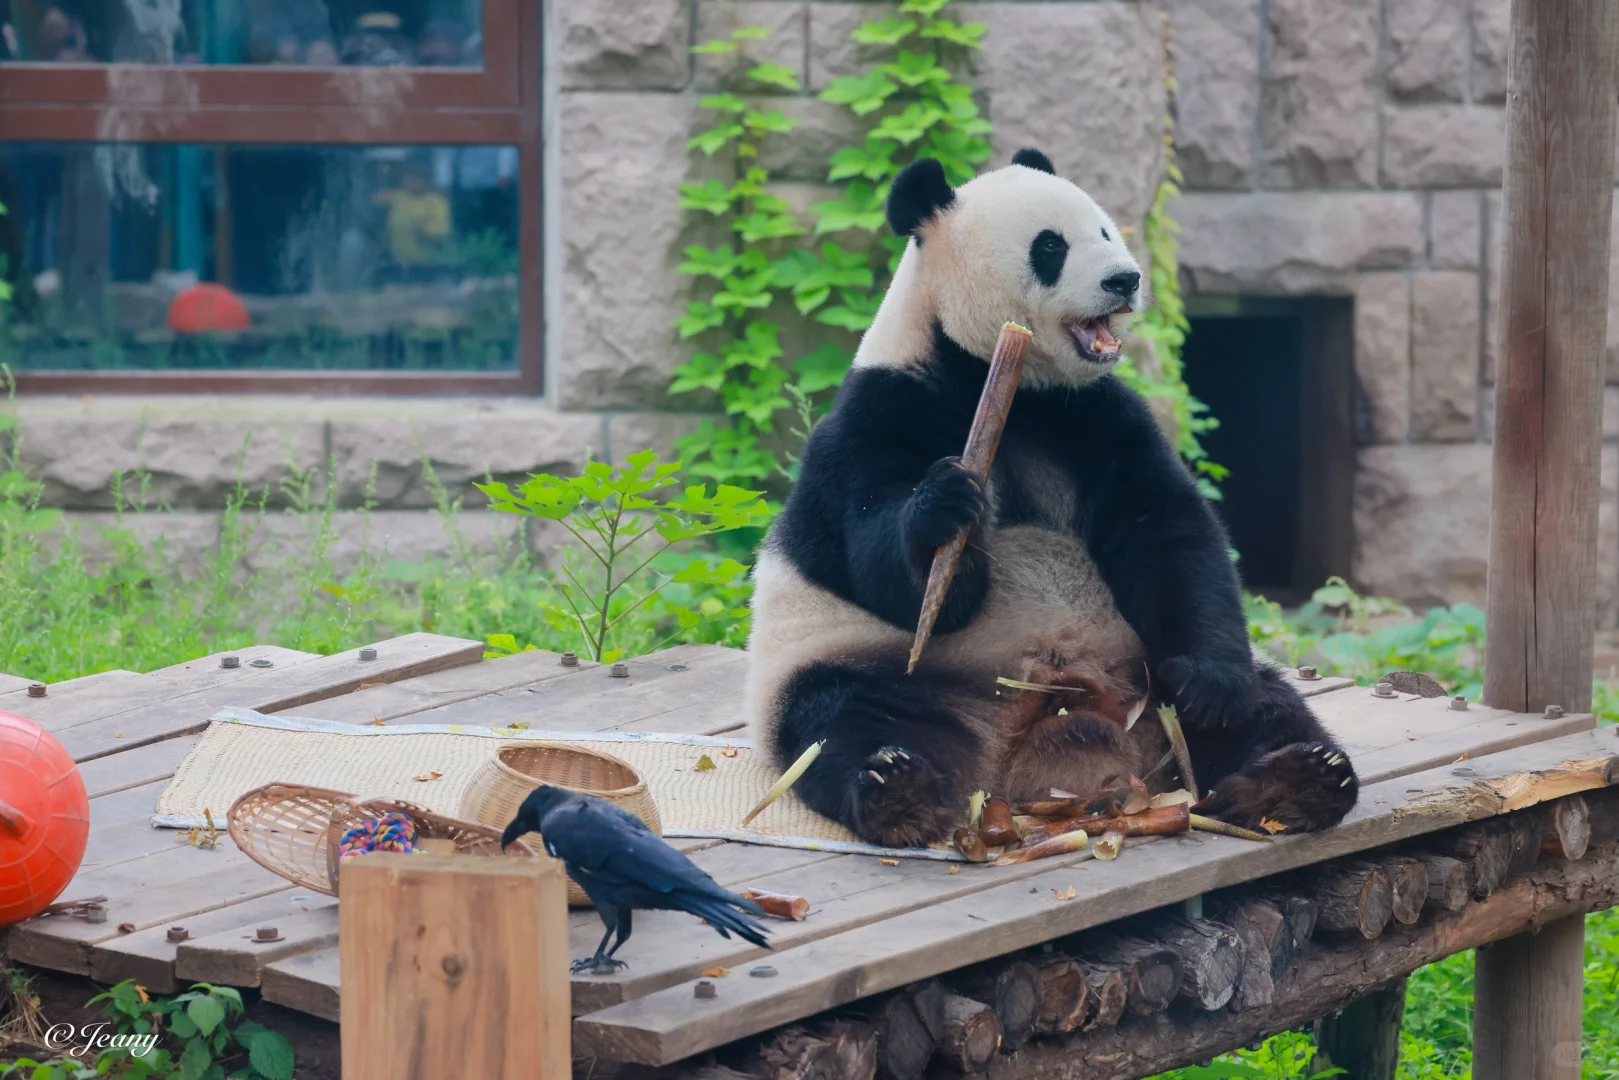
[1046, 256]
[1105, 236]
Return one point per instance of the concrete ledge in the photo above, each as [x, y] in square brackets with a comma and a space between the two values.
[194, 450]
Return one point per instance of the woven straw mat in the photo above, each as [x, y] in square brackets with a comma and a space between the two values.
[432, 766]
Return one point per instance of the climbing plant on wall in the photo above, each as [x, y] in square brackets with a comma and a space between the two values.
[831, 272]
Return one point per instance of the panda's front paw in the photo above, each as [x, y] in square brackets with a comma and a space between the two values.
[1305, 786]
[950, 498]
[898, 800]
[1209, 693]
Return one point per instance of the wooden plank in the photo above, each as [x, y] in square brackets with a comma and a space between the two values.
[658, 684]
[148, 956]
[134, 767]
[112, 693]
[1491, 736]
[233, 956]
[269, 690]
[397, 700]
[1008, 915]
[8, 683]
[167, 886]
[309, 982]
[429, 992]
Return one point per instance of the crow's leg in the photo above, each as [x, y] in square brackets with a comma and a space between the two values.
[602, 963]
[623, 935]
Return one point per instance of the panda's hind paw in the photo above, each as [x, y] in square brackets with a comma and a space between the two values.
[1304, 787]
[897, 799]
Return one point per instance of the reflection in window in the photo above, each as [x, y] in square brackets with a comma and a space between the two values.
[285, 257]
[310, 33]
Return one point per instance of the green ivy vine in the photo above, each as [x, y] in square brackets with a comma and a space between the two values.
[832, 273]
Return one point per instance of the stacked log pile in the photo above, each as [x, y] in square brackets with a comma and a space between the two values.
[1175, 988]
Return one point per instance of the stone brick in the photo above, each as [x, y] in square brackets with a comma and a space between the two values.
[1454, 229]
[630, 433]
[788, 24]
[611, 45]
[1085, 84]
[1318, 106]
[462, 441]
[380, 536]
[1444, 146]
[1427, 50]
[1492, 37]
[192, 449]
[1295, 242]
[1216, 45]
[184, 539]
[622, 162]
[1383, 356]
[833, 53]
[823, 129]
[1422, 522]
[1444, 356]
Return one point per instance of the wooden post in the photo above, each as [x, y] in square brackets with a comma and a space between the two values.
[1364, 1039]
[1548, 432]
[454, 966]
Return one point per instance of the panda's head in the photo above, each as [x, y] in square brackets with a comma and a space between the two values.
[1019, 244]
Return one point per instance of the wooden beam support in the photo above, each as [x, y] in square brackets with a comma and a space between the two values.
[1364, 1039]
[1558, 212]
[454, 966]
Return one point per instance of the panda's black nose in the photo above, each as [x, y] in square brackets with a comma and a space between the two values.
[1122, 284]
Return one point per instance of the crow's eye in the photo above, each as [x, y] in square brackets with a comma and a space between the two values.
[1105, 236]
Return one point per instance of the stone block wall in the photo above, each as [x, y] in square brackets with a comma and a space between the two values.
[1355, 148]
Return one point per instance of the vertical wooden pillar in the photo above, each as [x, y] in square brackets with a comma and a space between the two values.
[1527, 1017]
[1548, 419]
[1364, 1040]
[454, 966]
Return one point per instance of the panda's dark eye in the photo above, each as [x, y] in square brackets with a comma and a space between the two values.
[1046, 257]
[1105, 236]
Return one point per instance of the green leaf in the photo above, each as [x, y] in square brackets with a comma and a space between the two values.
[183, 1026]
[874, 161]
[773, 123]
[702, 262]
[860, 208]
[968, 35]
[271, 1056]
[714, 48]
[194, 1060]
[775, 75]
[760, 225]
[887, 32]
[724, 103]
[823, 369]
[713, 141]
[925, 8]
[863, 94]
[916, 69]
[711, 196]
[207, 1013]
[705, 764]
[909, 126]
[750, 33]
[703, 372]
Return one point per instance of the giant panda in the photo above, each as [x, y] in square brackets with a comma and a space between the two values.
[1093, 562]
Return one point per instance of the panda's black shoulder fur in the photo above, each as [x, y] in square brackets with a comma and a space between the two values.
[858, 521]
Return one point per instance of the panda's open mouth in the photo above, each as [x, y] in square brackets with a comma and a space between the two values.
[1094, 338]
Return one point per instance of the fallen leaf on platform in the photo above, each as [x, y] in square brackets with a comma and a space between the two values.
[1272, 827]
[1461, 759]
[730, 751]
[126, 928]
[706, 764]
[889, 862]
[716, 973]
[956, 869]
[1065, 894]
[377, 723]
[427, 776]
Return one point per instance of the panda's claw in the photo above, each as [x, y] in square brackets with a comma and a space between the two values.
[1303, 786]
[899, 800]
[875, 775]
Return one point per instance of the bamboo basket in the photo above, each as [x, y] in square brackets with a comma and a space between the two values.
[501, 784]
[294, 831]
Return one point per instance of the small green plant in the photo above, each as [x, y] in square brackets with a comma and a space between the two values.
[622, 531]
[1288, 1056]
[197, 1035]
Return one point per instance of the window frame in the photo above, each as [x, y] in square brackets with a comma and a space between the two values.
[496, 104]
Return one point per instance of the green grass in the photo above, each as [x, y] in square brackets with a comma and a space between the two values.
[140, 610]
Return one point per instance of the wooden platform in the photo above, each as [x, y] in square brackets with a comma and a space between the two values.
[1424, 766]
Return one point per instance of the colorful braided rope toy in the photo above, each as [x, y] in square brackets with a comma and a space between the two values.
[391, 832]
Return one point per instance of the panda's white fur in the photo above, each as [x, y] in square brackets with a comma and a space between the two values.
[839, 577]
[971, 274]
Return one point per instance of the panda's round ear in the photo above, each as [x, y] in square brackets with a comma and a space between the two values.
[1034, 159]
[920, 192]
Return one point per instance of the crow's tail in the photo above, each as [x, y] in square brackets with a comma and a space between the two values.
[721, 913]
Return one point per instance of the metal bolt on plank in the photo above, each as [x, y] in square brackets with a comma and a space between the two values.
[230, 661]
[1554, 712]
[36, 689]
[620, 671]
[704, 989]
[1308, 674]
[1383, 690]
[1459, 703]
[368, 653]
[569, 659]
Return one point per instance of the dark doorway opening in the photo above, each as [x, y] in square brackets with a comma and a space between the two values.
[1278, 375]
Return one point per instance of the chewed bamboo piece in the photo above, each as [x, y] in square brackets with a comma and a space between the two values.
[989, 421]
[780, 905]
[1170, 718]
[1065, 844]
[788, 779]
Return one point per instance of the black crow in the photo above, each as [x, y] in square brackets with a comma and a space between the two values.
[623, 865]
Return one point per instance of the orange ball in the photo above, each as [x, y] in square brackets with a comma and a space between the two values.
[207, 308]
[44, 819]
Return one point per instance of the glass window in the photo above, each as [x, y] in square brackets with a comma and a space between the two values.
[302, 33]
[159, 256]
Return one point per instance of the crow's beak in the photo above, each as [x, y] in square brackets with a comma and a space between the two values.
[513, 831]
